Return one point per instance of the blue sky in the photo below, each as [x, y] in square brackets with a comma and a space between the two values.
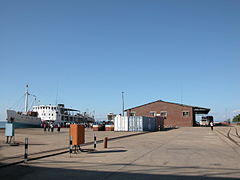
[88, 52]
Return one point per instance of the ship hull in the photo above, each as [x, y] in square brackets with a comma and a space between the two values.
[22, 120]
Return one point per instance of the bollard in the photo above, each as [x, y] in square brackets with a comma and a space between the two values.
[26, 150]
[70, 147]
[95, 142]
[105, 142]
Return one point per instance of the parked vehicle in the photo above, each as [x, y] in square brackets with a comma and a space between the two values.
[205, 121]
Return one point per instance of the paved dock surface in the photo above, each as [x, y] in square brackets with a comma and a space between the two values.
[40, 141]
[184, 153]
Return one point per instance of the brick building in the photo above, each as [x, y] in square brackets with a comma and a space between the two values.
[175, 115]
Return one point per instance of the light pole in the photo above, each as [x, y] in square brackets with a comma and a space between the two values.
[123, 103]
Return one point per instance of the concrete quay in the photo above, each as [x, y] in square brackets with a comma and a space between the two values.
[184, 153]
[42, 143]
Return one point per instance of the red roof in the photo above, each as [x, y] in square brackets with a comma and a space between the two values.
[200, 109]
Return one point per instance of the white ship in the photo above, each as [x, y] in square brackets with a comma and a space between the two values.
[46, 114]
[60, 114]
[26, 118]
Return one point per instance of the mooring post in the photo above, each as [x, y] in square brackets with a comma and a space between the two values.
[105, 142]
[70, 145]
[95, 141]
[26, 150]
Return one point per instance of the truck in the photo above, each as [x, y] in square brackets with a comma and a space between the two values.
[205, 121]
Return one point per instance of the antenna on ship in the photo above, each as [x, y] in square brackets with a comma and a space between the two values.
[26, 98]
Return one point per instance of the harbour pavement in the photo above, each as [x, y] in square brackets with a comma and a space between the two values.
[40, 141]
[184, 153]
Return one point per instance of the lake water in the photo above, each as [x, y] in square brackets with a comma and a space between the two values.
[2, 124]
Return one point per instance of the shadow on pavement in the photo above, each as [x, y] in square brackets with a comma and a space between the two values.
[108, 151]
[93, 151]
[30, 172]
[169, 129]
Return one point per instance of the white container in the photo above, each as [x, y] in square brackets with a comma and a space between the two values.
[141, 123]
[135, 123]
[121, 123]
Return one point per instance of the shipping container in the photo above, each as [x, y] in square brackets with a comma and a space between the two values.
[142, 123]
[135, 123]
[121, 123]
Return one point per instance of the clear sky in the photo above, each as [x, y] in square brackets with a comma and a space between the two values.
[87, 52]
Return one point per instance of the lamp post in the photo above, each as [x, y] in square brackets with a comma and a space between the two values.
[123, 103]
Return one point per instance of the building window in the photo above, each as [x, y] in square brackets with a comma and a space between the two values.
[185, 113]
[132, 113]
[163, 113]
[153, 113]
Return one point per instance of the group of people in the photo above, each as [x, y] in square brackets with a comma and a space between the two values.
[50, 127]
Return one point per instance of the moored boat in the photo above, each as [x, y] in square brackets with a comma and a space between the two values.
[24, 119]
[59, 114]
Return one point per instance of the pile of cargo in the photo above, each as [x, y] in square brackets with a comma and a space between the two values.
[138, 123]
[109, 127]
[98, 127]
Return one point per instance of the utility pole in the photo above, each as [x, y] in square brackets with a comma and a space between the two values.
[123, 103]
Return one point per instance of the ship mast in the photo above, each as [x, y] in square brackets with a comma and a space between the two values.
[26, 98]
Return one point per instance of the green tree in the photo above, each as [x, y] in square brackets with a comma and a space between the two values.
[236, 118]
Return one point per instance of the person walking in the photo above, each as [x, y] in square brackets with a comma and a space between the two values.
[49, 127]
[45, 127]
[58, 127]
[211, 124]
[52, 127]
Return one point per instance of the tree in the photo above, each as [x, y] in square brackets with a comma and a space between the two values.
[236, 118]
